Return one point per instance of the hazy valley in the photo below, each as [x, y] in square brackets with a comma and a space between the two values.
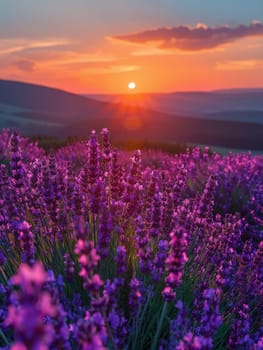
[231, 119]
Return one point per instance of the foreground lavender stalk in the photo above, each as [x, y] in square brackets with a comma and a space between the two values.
[29, 308]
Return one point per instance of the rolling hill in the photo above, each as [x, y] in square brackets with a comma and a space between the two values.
[39, 110]
[227, 103]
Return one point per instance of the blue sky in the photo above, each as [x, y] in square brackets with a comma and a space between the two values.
[73, 17]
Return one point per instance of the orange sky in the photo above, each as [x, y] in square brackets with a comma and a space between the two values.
[159, 58]
[111, 66]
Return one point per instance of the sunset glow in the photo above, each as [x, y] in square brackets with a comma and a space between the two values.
[87, 48]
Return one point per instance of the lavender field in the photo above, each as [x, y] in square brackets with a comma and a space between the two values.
[105, 249]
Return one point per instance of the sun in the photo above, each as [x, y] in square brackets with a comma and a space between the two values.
[131, 85]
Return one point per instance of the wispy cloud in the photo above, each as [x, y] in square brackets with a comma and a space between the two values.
[26, 54]
[200, 37]
[25, 65]
[112, 69]
[18, 45]
[240, 65]
[78, 60]
[151, 51]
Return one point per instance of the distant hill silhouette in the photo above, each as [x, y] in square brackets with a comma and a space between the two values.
[40, 110]
[46, 100]
[196, 103]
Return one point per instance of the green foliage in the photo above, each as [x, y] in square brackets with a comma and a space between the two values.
[52, 143]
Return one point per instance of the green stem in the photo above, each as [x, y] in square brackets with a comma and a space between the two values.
[139, 324]
[159, 327]
[94, 229]
[2, 335]
[4, 275]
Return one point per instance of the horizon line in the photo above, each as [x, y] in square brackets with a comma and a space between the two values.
[233, 89]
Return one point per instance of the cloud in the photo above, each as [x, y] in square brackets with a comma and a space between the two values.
[152, 51]
[240, 65]
[26, 54]
[81, 60]
[200, 37]
[113, 69]
[18, 45]
[26, 65]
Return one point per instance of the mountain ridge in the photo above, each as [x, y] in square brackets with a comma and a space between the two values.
[41, 110]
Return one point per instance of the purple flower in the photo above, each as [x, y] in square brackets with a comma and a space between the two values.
[191, 342]
[134, 296]
[106, 149]
[26, 238]
[104, 231]
[240, 329]
[32, 305]
[120, 259]
[69, 267]
[156, 214]
[91, 332]
[143, 246]
[175, 263]
[117, 323]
